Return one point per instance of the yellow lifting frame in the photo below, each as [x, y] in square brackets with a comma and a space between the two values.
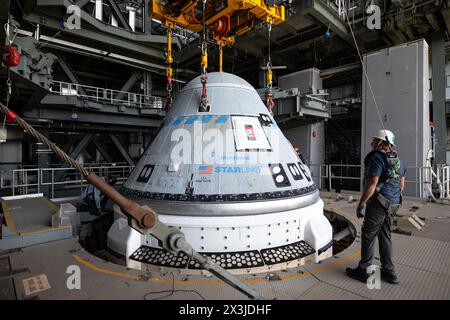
[257, 8]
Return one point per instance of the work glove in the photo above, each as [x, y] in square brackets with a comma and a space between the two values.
[361, 210]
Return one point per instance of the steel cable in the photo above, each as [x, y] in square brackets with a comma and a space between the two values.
[41, 138]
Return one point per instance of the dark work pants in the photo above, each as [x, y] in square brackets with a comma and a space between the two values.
[377, 223]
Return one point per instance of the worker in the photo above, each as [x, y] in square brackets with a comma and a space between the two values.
[384, 182]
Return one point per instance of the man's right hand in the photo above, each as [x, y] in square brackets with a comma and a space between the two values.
[361, 210]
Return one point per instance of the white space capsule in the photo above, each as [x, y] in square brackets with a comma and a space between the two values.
[228, 179]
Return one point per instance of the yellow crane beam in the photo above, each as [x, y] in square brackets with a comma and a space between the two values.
[243, 13]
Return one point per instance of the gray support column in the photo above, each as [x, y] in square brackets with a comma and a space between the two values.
[438, 91]
[132, 18]
[43, 162]
[148, 84]
[147, 18]
[122, 149]
[99, 10]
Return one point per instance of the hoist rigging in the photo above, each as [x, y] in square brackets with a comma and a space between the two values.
[226, 19]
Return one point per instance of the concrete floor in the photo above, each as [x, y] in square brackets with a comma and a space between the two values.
[422, 260]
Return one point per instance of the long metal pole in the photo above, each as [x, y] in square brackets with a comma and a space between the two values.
[145, 217]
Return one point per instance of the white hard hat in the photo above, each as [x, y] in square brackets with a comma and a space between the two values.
[385, 135]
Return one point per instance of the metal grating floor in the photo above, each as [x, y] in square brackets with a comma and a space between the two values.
[421, 253]
[414, 284]
[324, 291]
[422, 263]
[436, 229]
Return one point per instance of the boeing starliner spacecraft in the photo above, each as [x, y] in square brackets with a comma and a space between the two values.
[228, 178]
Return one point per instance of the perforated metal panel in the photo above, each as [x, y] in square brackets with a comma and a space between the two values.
[227, 260]
[159, 257]
[286, 253]
[232, 260]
